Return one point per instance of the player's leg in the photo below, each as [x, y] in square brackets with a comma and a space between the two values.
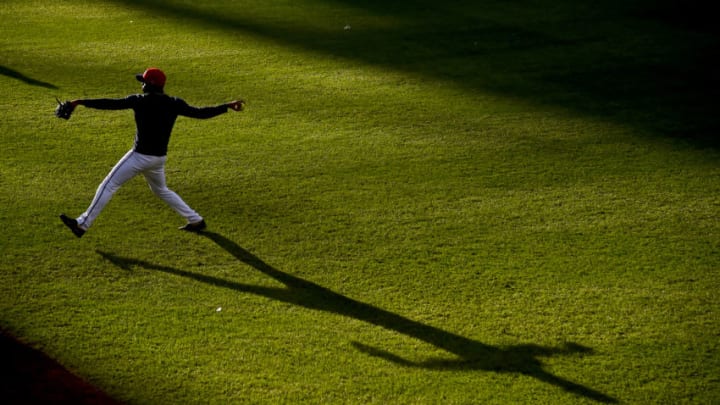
[125, 169]
[155, 178]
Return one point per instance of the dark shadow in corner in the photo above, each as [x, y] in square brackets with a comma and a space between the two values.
[632, 62]
[471, 354]
[5, 71]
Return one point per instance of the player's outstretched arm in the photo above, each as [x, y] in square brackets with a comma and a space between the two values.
[105, 103]
[187, 110]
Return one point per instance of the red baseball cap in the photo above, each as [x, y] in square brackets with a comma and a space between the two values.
[152, 76]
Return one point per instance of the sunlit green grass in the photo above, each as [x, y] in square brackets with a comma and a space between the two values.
[396, 218]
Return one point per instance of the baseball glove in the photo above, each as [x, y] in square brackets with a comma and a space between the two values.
[64, 109]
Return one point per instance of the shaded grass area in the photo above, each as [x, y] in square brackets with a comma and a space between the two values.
[28, 376]
[643, 63]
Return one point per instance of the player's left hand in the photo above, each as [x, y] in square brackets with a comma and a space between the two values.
[237, 105]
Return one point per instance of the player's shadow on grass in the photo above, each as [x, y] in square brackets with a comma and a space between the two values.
[471, 354]
[6, 71]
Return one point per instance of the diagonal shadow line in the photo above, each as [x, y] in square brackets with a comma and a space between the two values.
[471, 354]
[6, 71]
[668, 90]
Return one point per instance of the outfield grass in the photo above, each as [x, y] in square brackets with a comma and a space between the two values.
[445, 203]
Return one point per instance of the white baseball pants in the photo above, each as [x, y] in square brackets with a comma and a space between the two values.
[132, 164]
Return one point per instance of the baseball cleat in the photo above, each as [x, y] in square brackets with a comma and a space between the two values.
[194, 226]
[73, 225]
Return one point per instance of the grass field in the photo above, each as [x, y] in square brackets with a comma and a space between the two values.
[471, 202]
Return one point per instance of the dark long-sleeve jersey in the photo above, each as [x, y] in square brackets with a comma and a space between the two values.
[155, 115]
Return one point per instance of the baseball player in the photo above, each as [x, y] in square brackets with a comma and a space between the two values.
[155, 115]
